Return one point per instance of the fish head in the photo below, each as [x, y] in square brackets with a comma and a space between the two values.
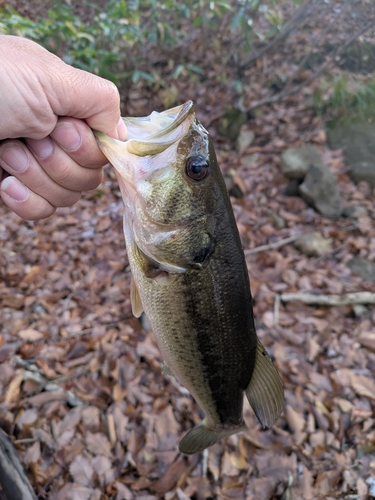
[168, 173]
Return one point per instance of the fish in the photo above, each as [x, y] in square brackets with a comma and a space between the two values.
[189, 274]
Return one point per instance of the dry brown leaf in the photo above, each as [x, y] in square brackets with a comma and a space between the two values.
[166, 424]
[295, 421]
[83, 493]
[367, 339]
[363, 386]
[170, 478]
[81, 470]
[98, 444]
[33, 454]
[103, 467]
[13, 389]
[123, 492]
[30, 335]
[306, 483]
[34, 274]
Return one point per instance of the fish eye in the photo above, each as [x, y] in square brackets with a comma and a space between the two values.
[197, 167]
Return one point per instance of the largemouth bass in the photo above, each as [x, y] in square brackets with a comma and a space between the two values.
[189, 273]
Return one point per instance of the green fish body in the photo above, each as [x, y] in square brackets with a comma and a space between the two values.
[189, 272]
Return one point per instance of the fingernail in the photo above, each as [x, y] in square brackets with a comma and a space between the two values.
[42, 148]
[15, 158]
[122, 130]
[67, 136]
[15, 189]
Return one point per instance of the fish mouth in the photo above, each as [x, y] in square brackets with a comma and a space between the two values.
[153, 134]
[147, 136]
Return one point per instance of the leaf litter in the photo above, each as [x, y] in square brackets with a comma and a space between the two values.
[82, 390]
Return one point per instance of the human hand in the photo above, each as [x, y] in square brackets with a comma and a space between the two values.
[52, 107]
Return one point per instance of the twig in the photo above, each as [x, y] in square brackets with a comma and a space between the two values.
[13, 480]
[330, 300]
[272, 246]
[276, 310]
[337, 53]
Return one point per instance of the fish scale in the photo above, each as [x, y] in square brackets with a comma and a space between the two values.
[189, 273]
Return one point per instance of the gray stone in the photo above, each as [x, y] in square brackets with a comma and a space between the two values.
[295, 162]
[313, 244]
[279, 221]
[320, 190]
[362, 267]
[358, 143]
[250, 160]
[354, 211]
[244, 139]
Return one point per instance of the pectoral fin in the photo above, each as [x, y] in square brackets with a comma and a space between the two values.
[135, 300]
[265, 391]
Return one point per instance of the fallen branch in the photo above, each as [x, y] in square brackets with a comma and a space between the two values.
[272, 246]
[330, 300]
[13, 480]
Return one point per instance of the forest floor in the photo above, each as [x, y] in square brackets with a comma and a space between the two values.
[81, 386]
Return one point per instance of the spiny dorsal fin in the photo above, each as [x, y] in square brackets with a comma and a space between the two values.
[135, 300]
[265, 391]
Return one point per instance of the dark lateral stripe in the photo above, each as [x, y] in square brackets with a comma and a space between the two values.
[219, 316]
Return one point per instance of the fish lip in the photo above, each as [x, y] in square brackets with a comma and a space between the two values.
[184, 110]
[153, 143]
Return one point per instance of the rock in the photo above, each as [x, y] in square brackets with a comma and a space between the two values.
[244, 139]
[354, 211]
[295, 162]
[320, 190]
[362, 267]
[358, 143]
[248, 160]
[313, 244]
[278, 220]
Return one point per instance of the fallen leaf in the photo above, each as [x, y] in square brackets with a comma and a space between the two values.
[81, 470]
[98, 444]
[30, 335]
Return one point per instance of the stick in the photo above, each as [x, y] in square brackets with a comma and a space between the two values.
[330, 300]
[13, 480]
[272, 246]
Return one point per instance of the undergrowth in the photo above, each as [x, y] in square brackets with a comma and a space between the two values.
[116, 43]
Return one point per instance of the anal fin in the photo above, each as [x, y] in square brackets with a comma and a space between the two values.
[265, 391]
[201, 437]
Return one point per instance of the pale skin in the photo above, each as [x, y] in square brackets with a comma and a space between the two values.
[48, 153]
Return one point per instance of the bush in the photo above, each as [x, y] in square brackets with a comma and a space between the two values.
[117, 41]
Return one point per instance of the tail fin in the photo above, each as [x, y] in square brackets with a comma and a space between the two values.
[201, 437]
[265, 391]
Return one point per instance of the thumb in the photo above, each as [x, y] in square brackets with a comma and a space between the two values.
[80, 94]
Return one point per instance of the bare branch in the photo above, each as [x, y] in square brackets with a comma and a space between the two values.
[330, 300]
[272, 246]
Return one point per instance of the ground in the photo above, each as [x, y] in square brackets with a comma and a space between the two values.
[82, 393]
